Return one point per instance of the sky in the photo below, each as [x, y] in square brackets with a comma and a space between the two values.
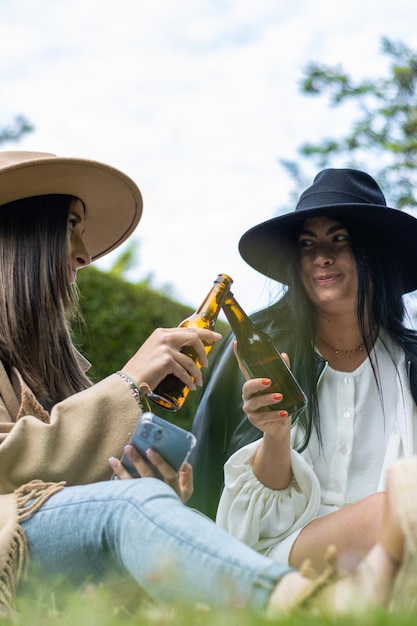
[197, 101]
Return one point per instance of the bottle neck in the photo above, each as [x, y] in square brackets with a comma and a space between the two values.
[213, 302]
[233, 311]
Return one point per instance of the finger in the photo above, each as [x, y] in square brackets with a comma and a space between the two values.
[261, 404]
[186, 482]
[239, 362]
[255, 397]
[182, 482]
[167, 472]
[255, 386]
[187, 370]
[160, 356]
[286, 358]
[141, 465]
[196, 338]
[189, 354]
[118, 469]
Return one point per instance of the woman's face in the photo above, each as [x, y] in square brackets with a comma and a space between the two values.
[328, 268]
[79, 256]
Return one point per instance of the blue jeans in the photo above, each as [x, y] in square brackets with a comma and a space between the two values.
[142, 529]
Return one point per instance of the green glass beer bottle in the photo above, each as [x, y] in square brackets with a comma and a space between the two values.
[261, 359]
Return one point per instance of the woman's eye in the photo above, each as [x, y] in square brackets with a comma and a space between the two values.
[72, 223]
[341, 237]
[304, 243]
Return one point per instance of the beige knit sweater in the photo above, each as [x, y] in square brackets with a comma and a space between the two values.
[40, 453]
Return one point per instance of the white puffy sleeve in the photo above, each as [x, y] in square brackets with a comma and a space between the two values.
[263, 517]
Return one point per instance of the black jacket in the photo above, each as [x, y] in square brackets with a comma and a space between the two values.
[220, 425]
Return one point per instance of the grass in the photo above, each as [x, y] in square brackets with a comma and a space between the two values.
[95, 606]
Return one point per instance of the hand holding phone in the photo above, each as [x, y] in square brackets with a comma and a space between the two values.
[173, 443]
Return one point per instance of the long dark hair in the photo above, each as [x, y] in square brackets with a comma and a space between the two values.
[379, 305]
[37, 301]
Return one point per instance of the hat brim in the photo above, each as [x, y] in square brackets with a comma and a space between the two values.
[112, 200]
[265, 247]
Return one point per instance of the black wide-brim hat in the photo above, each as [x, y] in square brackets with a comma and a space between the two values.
[334, 193]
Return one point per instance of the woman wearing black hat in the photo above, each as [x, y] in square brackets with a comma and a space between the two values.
[346, 260]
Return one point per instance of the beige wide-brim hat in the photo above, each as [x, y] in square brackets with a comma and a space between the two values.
[112, 200]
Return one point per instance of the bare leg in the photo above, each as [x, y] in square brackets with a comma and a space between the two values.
[399, 536]
[353, 530]
[372, 580]
[369, 585]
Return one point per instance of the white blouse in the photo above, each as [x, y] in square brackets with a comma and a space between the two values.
[365, 425]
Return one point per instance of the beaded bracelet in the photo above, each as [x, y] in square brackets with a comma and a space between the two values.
[138, 391]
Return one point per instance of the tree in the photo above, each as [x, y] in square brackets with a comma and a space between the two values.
[16, 129]
[384, 131]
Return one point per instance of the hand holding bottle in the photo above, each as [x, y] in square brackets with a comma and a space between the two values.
[161, 355]
[259, 358]
[272, 462]
[272, 397]
[259, 399]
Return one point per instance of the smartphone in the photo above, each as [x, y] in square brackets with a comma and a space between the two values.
[173, 443]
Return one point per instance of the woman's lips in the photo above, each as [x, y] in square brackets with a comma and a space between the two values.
[73, 274]
[325, 280]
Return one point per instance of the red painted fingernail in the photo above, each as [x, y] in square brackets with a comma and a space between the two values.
[283, 413]
[277, 396]
[266, 381]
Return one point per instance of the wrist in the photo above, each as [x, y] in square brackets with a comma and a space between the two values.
[278, 435]
[138, 391]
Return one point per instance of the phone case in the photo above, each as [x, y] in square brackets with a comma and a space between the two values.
[172, 442]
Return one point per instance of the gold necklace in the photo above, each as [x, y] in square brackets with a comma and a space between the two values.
[347, 353]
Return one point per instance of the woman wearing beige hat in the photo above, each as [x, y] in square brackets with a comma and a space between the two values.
[57, 430]
[345, 259]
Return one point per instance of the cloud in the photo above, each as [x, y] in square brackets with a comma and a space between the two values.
[196, 100]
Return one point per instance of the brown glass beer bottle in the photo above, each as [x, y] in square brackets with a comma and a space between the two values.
[171, 391]
[261, 359]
